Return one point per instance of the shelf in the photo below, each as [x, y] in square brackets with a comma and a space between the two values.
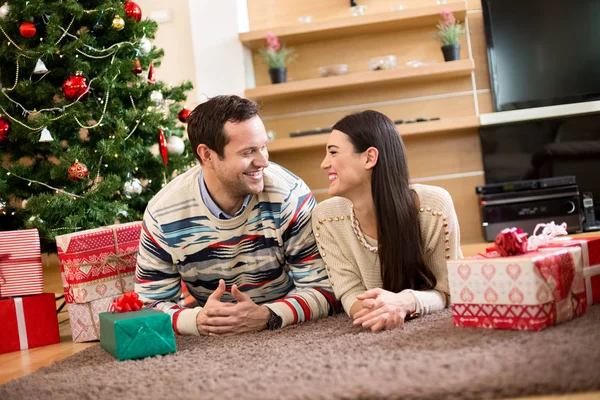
[417, 128]
[446, 70]
[530, 114]
[351, 26]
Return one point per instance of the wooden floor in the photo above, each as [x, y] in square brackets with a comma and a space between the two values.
[19, 363]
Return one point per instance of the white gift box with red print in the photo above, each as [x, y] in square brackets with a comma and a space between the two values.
[98, 263]
[590, 258]
[85, 318]
[528, 292]
[20, 263]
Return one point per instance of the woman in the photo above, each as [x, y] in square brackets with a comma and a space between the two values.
[385, 243]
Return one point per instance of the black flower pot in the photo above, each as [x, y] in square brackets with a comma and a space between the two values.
[451, 52]
[278, 75]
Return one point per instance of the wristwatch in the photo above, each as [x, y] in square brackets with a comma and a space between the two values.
[274, 322]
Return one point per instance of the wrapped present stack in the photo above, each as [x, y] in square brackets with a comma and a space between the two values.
[131, 332]
[28, 316]
[518, 286]
[97, 266]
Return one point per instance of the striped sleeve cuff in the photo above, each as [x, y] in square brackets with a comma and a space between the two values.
[285, 310]
[184, 321]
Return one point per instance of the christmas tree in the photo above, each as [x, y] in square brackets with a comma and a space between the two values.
[87, 135]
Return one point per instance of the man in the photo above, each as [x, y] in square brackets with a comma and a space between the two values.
[236, 230]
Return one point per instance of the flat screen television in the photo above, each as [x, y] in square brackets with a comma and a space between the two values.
[542, 52]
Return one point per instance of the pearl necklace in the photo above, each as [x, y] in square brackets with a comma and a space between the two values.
[359, 235]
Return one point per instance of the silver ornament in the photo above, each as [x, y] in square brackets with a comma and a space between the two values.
[4, 11]
[156, 97]
[145, 46]
[40, 67]
[132, 187]
[175, 145]
[46, 136]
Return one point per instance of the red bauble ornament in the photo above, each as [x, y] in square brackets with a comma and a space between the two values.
[27, 29]
[151, 74]
[78, 172]
[4, 128]
[75, 86]
[137, 69]
[183, 115]
[162, 142]
[132, 10]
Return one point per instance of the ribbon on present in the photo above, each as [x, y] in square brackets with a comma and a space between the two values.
[130, 301]
[513, 241]
[549, 232]
[21, 326]
[118, 260]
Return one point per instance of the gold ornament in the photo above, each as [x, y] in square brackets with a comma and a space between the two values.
[118, 23]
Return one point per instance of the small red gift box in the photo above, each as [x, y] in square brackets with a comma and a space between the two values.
[20, 263]
[98, 263]
[529, 291]
[28, 322]
[590, 258]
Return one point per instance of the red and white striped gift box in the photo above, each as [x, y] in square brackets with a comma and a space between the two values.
[20, 263]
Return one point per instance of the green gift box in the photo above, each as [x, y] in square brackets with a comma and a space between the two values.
[137, 334]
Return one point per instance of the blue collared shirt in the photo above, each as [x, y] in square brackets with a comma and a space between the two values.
[212, 206]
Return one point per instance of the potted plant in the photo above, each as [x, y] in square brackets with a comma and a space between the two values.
[450, 32]
[277, 57]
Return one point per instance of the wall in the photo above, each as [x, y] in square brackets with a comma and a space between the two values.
[201, 44]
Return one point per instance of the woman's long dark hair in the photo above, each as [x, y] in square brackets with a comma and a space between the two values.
[398, 232]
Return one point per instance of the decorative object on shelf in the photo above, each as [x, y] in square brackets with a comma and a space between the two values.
[352, 3]
[4, 128]
[175, 145]
[277, 57]
[384, 62]
[27, 30]
[271, 135]
[333, 70]
[75, 86]
[450, 32]
[398, 7]
[357, 11]
[414, 63]
[78, 171]
[137, 68]
[183, 115]
[315, 131]
[40, 67]
[46, 137]
[118, 23]
[132, 10]
[305, 19]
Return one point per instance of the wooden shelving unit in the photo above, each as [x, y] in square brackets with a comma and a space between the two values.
[351, 26]
[440, 70]
[417, 128]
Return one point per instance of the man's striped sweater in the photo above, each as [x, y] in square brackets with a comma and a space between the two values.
[268, 251]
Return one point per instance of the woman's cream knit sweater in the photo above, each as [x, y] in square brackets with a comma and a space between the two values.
[353, 269]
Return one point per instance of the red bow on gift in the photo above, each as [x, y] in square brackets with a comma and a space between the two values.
[128, 302]
[510, 242]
